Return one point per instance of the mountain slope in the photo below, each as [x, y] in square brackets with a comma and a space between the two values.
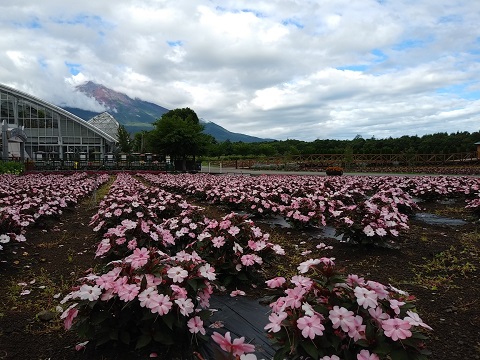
[137, 115]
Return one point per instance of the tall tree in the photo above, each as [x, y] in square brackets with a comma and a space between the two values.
[178, 133]
[124, 139]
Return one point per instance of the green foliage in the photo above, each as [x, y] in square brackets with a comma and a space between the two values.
[124, 141]
[11, 167]
[178, 133]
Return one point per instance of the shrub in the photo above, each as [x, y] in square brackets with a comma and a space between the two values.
[11, 167]
[334, 170]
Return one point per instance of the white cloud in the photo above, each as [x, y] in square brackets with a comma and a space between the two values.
[286, 69]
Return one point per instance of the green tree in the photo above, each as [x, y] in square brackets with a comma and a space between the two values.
[178, 133]
[124, 140]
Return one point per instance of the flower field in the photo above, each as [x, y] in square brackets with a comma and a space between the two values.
[150, 249]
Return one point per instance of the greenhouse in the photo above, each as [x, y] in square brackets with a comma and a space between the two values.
[37, 130]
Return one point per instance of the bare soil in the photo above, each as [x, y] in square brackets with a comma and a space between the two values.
[439, 264]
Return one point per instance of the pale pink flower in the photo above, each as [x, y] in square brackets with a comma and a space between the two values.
[311, 326]
[68, 316]
[275, 321]
[415, 320]
[237, 347]
[354, 280]
[369, 231]
[275, 282]
[81, 346]
[186, 306]
[132, 244]
[377, 314]
[234, 230]
[207, 271]
[397, 329]
[218, 241]
[365, 355]
[294, 297]
[333, 357]
[237, 293]
[380, 289]
[180, 292]
[147, 296]
[341, 317]
[128, 292]
[90, 293]
[357, 332]
[302, 281]
[195, 325]
[366, 298]
[306, 265]
[139, 257]
[395, 305]
[161, 305]
[177, 274]
[248, 260]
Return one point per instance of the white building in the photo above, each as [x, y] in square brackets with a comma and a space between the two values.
[50, 132]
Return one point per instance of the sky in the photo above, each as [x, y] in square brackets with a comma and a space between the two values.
[281, 69]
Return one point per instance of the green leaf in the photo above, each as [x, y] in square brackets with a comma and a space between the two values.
[310, 348]
[143, 341]
[193, 284]
[399, 354]
[169, 319]
[163, 337]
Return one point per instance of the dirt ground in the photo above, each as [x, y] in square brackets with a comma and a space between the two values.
[437, 263]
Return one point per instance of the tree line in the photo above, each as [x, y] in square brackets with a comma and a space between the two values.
[178, 133]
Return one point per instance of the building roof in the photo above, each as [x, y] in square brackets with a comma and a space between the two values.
[106, 123]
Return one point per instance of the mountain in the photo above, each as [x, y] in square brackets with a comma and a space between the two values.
[137, 115]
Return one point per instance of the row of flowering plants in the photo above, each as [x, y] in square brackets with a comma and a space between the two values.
[333, 202]
[155, 290]
[30, 199]
[327, 316]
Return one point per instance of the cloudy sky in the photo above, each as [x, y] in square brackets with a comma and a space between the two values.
[283, 69]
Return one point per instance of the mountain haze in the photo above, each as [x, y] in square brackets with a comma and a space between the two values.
[137, 115]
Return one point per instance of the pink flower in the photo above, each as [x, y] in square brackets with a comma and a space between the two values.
[90, 293]
[302, 281]
[275, 322]
[275, 282]
[415, 320]
[180, 292]
[195, 325]
[128, 292]
[139, 257]
[207, 271]
[354, 280]
[333, 357]
[237, 347]
[358, 331]
[248, 260]
[294, 297]
[395, 305]
[237, 292]
[234, 230]
[377, 314]
[366, 298]
[147, 296]
[306, 265]
[397, 329]
[68, 316]
[365, 355]
[310, 326]
[185, 305]
[132, 244]
[341, 317]
[81, 346]
[161, 304]
[177, 274]
[218, 241]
